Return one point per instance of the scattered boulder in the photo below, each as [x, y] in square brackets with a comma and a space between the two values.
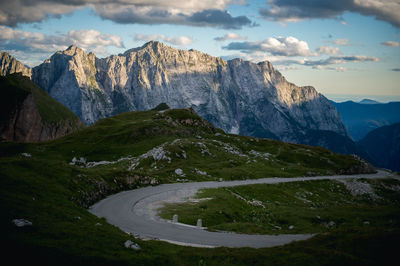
[331, 224]
[132, 245]
[199, 172]
[179, 172]
[21, 222]
[81, 161]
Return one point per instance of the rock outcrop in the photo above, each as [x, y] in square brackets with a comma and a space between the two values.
[21, 118]
[238, 96]
[10, 65]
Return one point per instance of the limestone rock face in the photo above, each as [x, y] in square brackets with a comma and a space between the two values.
[10, 65]
[69, 77]
[238, 96]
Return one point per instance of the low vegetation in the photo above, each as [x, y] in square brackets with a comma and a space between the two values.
[15, 88]
[295, 207]
[52, 184]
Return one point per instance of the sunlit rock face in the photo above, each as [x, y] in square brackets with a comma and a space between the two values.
[238, 96]
[10, 65]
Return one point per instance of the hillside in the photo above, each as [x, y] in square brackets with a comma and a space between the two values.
[51, 184]
[383, 146]
[335, 142]
[361, 118]
[29, 114]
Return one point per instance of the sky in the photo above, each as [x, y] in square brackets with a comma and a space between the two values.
[346, 49]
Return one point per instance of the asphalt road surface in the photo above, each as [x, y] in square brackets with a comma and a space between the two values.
[135, 212]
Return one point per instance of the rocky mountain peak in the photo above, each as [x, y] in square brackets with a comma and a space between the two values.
[73, 50]
[266, 65]
[10, 65]
[153, 46]
[238, 96]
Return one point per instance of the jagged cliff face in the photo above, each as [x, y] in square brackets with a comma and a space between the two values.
[10, 65]
[238, 96]
[69, 77]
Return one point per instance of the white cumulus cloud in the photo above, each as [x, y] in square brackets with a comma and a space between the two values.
[179, 40]
[285, 46]
[39, 45]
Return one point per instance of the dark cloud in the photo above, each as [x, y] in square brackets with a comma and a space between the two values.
[205, 18]
[396, 69]
[305, 9]
[206, 13]
[294, 10]
[220, 19]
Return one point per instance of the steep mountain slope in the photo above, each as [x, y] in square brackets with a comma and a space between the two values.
[361, 118]
[334, 142]
[237, 96]
[383, 146]
[29, 114]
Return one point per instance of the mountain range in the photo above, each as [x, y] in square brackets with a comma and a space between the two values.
[382, 146]
[237, 96]
[365, 116]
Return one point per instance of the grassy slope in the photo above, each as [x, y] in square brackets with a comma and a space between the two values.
[51, 194]
[15, 88]
[307, 206]
[12, 96]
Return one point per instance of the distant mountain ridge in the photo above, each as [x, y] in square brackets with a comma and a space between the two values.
[383, 146]
[368, 101]
[238, 96]
[361, 118]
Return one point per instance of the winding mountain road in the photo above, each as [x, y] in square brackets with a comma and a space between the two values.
[135, 212]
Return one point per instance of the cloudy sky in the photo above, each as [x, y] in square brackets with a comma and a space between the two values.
[347, 49]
